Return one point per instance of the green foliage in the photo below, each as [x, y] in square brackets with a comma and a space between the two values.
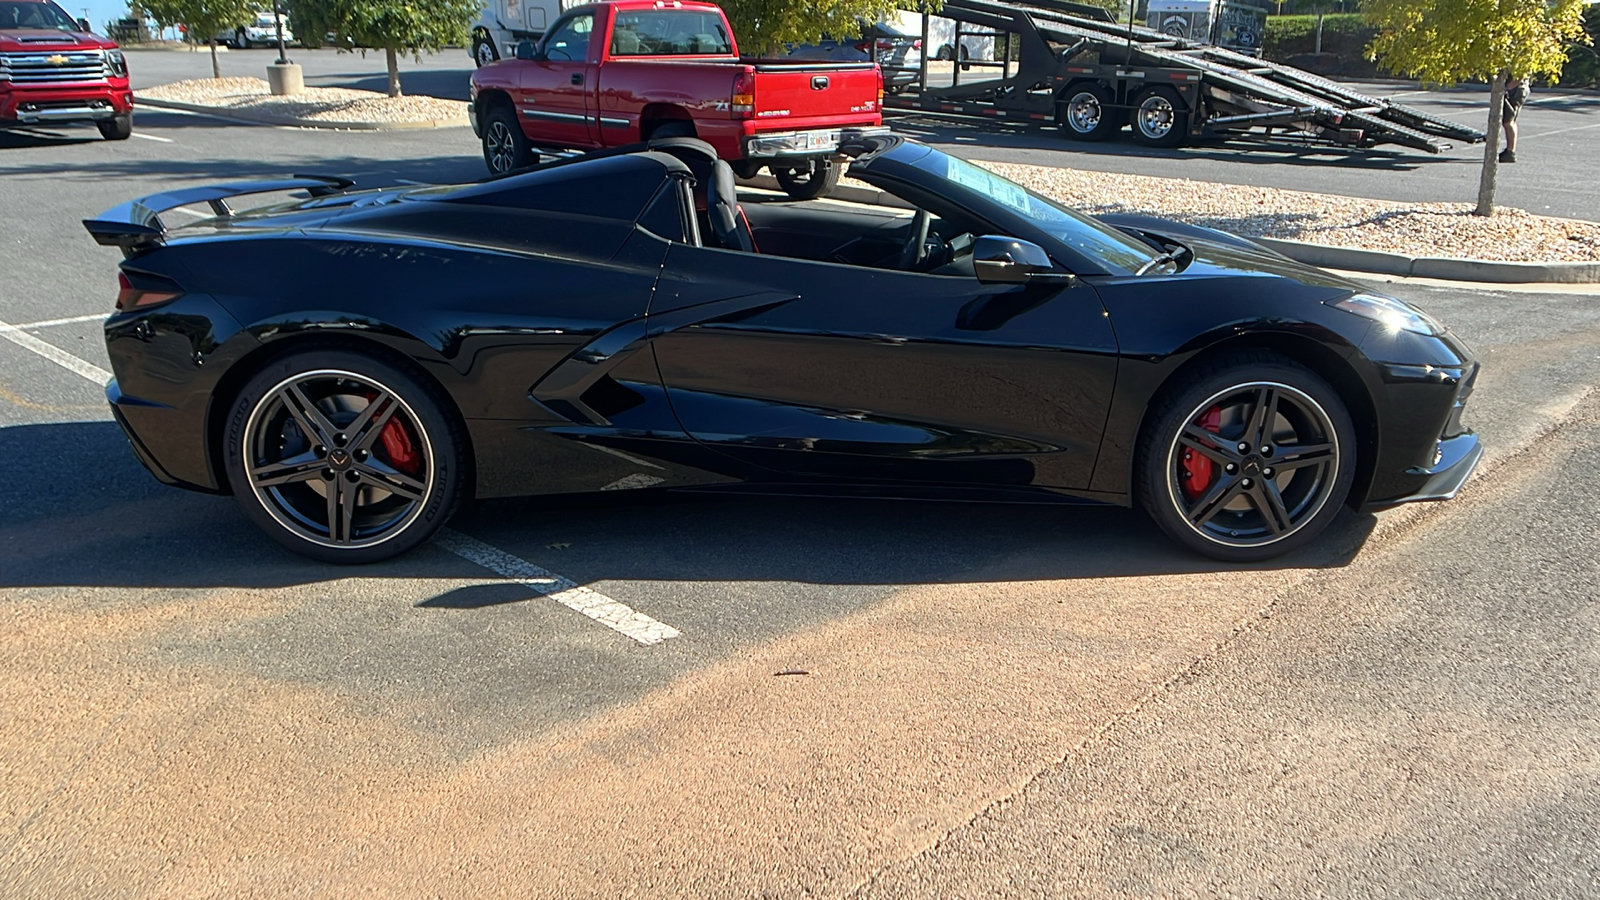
[204, 18]
[762, 27]
[406, 26]
[1446, 41]
[1583, 64]
[393, 26]
[1342, 33]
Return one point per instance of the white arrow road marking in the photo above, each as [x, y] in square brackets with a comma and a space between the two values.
[597, 606]
[55, 354]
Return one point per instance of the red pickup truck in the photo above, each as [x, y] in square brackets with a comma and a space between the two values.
[52, 71]
[622, 71]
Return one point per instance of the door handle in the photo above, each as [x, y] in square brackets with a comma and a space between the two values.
[577, 78]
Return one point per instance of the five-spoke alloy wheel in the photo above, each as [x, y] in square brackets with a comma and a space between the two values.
[341, 457]
[1251, 460]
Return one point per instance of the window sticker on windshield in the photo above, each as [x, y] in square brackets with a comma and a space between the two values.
[968, 175]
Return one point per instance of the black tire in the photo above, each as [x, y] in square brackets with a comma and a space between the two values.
[1280, 493]
[394, 460]
[962, 53]
[945, 54]
[672, 128]
[1085, 113]
[483, 50]
[116, 129]
[505, 147]
[1159, 117]
[809, 180]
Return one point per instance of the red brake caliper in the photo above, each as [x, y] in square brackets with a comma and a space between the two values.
[1198, 469]
[395, 446]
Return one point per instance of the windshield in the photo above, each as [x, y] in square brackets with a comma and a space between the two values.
[1119, 253]
[16, 15]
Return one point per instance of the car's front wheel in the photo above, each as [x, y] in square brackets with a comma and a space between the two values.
[119, 128]
[1251, 457]
[343, 457]
[505, 147]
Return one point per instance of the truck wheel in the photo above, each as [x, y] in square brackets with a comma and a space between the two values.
[505, 147]
[813, 179]
[1159, 118]
[483, 50]
[118, 129]
[241, 40]
[965, 66]
[1085, 113]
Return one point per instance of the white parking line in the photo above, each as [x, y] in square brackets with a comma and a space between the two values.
[592, 603]
[49, 322]
[55, 354]
[151, 137]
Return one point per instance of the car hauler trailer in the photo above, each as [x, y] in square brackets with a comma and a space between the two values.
[1063, 62]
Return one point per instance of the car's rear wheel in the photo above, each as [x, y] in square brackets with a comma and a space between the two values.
[1085, 113]
[343, 457]
[1250, 458]
[505, 147]
[808, 180]
[119, 128]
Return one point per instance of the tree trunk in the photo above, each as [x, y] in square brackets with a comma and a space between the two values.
[216, 69]
[394, 72]
[1491, 146]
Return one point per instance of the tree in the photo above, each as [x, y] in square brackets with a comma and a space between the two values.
[393, 26]
[203, 18]
[1447, 41]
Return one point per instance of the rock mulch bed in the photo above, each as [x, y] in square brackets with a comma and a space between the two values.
[315, 105]
[1410, 229]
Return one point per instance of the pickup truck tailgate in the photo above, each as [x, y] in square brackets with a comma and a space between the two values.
[803, 94]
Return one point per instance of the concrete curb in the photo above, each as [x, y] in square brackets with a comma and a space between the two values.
[1346, 258]
[268, 119]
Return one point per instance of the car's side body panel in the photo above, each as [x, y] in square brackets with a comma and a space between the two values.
[936, 379]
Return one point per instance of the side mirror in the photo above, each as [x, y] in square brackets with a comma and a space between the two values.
[83, 26]
[527, 51]
[998, 259]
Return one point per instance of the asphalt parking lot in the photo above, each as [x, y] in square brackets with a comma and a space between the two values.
[863, 698]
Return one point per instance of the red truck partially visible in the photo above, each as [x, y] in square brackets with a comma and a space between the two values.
[54, 71]
[622, 71]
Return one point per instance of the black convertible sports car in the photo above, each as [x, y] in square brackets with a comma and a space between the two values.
[620, 320]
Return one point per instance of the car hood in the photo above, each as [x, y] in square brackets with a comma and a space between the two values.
[40, 40]
[1219, 254]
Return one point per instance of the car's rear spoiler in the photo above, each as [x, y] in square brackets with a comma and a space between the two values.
[137, 223]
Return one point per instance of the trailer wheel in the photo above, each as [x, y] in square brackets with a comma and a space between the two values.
[1159, 117]
[1085, 113]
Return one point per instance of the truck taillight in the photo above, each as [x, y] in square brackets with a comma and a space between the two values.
[880, 86]
[743, 104]
[131, 297]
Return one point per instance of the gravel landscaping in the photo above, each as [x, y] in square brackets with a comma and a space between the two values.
[330, 105]
[1411, 229]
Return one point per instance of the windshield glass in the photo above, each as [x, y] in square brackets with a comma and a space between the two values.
[1119, 253]
[16, 15]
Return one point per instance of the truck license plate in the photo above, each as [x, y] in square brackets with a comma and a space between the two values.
[821, 140]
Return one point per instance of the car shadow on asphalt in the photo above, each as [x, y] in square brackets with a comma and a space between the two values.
[109, 523]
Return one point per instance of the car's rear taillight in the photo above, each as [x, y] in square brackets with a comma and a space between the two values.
[863, 46]
[916, 44]
[743, 103]
[885, 45]
[880, 87]
[149, 290]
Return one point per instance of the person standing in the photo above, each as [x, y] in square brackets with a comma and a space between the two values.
[1516, 95]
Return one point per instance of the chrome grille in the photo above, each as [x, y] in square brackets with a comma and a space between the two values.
[74, 66]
